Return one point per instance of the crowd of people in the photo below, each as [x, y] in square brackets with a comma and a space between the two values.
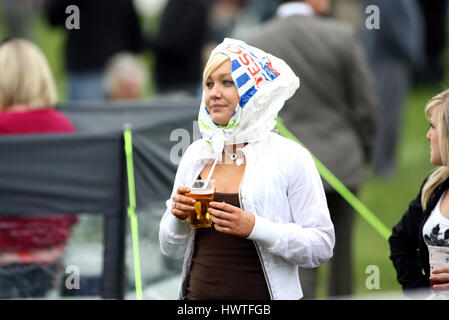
[242, 59]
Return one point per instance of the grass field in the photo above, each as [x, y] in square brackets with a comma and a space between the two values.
[387, 198]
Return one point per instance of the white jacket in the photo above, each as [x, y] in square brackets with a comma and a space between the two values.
[282, 188]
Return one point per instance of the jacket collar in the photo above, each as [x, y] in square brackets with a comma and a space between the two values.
[294, 8]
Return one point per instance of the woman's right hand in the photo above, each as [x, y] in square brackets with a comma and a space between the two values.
[181, 204]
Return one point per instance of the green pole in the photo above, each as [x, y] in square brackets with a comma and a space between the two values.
[131, 209]
[340, 187]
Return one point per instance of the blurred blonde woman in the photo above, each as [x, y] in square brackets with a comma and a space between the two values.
[31, 248]
[425, 225]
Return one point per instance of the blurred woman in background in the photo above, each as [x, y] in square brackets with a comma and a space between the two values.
[425, 225]
[31, 248]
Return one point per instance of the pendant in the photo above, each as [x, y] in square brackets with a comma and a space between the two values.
[233, 156]
[239, 162]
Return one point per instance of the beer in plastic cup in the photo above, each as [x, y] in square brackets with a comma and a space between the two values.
[203, 192]
[438, 258]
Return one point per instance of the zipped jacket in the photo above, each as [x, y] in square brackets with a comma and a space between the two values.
[282, 188]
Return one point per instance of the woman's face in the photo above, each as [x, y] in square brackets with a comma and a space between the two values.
[433, 137]
[221, 95]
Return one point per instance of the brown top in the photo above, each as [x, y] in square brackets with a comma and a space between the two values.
[225, 266]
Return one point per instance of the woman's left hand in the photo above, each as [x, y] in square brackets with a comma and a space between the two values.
[440, 276]
[231, 220]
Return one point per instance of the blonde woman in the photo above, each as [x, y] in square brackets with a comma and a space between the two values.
[425, 224]
[30, 247]
[269, 213]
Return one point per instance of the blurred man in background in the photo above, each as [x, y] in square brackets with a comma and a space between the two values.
[394, 50]
[105, 28]
[333, 113]
[178, 46]
[434, 15]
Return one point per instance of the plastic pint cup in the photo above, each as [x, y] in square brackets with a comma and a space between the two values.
[203, 192]
[438, 258]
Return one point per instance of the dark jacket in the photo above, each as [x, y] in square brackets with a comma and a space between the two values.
[178, 43]
[409, 252]
[106, 28]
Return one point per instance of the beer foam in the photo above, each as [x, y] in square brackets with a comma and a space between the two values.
[201, 191]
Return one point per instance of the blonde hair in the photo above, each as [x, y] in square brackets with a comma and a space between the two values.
[26, 77]
[211, 65]
[440, 104]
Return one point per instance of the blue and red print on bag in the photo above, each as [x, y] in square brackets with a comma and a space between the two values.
[248, 71]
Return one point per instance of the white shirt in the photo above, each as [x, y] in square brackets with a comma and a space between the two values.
[294, 8]
[435, 228]
[282, 188]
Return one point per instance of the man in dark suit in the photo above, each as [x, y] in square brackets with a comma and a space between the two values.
[333, 112]
[394, 51]
[178, 45]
